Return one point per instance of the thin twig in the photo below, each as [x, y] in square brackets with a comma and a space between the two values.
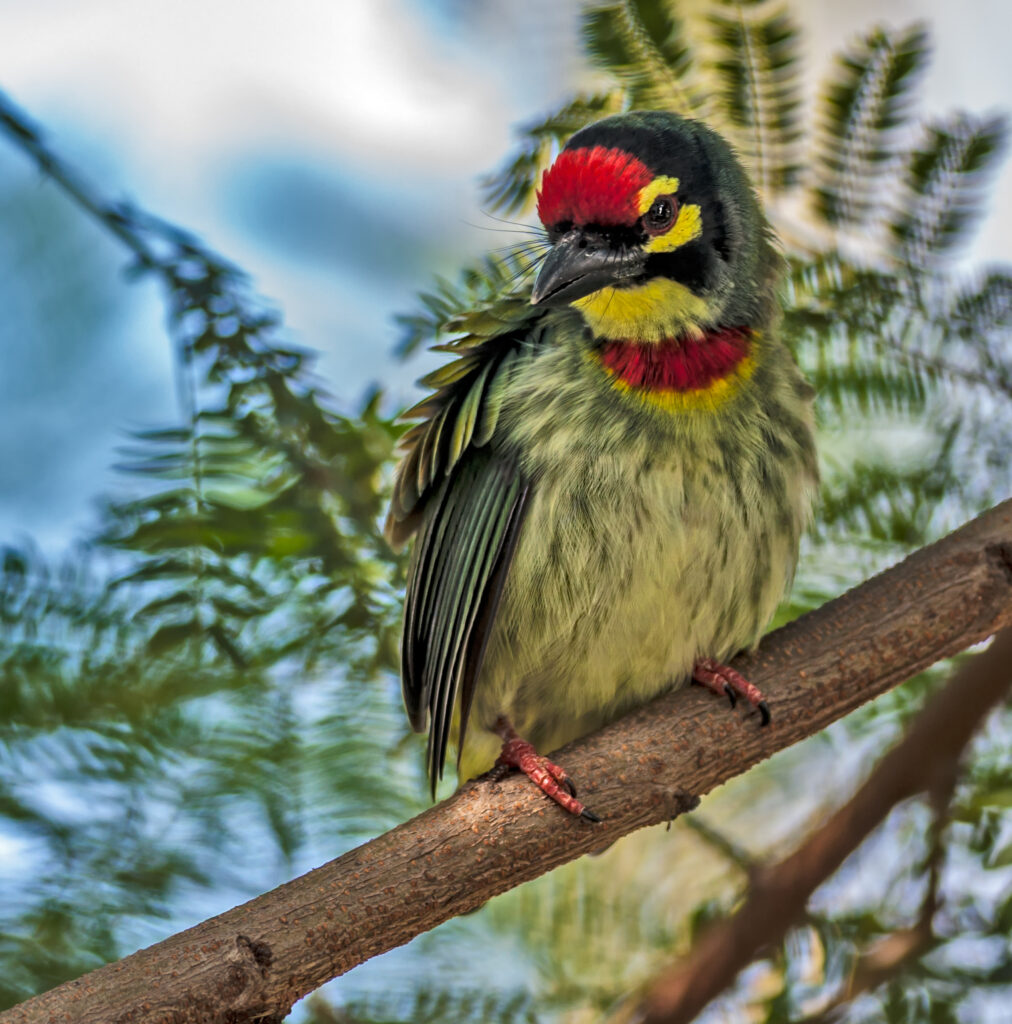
[737, 855]
[29, 139]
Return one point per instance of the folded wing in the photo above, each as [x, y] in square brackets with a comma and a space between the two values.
[460, 488]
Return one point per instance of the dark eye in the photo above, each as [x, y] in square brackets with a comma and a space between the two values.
[661, 215]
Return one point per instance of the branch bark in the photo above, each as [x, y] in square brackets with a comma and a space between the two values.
[252, 962]
[926, 760]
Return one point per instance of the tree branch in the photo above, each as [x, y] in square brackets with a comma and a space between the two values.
[925, 760]
[252, 962]
[887, 958]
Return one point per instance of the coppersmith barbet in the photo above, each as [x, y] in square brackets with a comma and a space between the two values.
[608, 485]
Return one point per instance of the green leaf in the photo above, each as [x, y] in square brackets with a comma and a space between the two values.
[642, 43]
[945, 188]
[171, 636]
[495, 287]
[863, 110]
[758, 71]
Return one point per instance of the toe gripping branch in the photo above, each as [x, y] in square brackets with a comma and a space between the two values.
[724, 681]
[552, 780]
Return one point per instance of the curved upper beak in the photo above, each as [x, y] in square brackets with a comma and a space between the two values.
[580, 263]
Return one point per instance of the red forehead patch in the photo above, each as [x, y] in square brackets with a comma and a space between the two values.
[592, 186]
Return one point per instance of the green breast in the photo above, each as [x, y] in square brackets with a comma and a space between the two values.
[653, 537]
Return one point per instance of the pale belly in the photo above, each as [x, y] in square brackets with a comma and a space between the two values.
[622, 579]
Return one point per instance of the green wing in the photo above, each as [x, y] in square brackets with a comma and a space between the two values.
[460, 488]
[459, 567]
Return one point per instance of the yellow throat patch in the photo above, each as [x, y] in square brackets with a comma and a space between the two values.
[659, 309]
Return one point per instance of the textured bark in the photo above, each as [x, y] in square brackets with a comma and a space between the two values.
[927, 757]
[252, 962]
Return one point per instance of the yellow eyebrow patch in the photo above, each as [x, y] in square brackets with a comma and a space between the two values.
[660, 186]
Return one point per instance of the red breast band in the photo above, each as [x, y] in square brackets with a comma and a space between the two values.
[682, 365]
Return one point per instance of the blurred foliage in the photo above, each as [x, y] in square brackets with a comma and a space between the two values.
[203, 700]
[191, 690]
[431, 1005]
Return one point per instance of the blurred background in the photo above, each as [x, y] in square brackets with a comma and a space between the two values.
[334, 153]
[331, 150]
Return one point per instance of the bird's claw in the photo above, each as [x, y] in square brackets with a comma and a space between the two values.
[725, 681]
[552, 780]
[765, 712]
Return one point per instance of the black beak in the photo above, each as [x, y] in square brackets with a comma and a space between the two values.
[580, 263]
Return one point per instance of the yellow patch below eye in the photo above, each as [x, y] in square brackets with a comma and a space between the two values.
[687, 227]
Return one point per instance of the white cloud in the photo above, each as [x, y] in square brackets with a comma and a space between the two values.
[186, 79]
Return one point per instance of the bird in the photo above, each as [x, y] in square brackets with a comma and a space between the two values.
[607, 485]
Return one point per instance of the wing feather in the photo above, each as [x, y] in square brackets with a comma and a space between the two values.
[460, 489]
[483, 501]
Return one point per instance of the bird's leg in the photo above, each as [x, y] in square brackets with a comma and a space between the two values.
[549, 777]
[725, 682]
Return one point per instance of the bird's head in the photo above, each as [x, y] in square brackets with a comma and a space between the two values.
[656, 232]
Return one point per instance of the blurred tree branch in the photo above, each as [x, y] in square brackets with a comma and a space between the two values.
[254, 961]
[926, 760]
[116, 218]
[886, 958]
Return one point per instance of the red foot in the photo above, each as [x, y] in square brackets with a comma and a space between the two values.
[724, 681]
[549, 777]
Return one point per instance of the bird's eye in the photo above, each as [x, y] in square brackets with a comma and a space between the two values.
[661, 215]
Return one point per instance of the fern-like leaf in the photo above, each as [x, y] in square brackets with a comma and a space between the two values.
[887, 503]
[759, 88]
[494, 279]
[985, 309]
[945, 188]
[642, 42]
[430, 1004]
[864, 107]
